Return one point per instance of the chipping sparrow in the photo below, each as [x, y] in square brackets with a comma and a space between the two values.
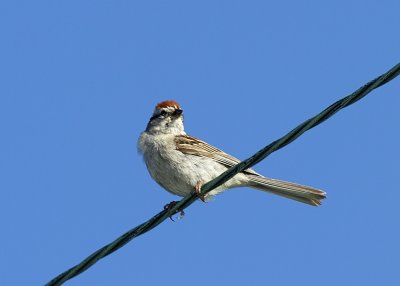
[181, 163]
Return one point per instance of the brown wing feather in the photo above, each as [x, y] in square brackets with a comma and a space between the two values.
[191, 145]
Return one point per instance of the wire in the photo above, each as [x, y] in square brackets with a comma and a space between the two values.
[256, 158]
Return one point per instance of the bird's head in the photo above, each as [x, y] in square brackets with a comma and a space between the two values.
[167, 118]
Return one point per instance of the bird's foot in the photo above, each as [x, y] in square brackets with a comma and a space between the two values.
[170, 205]
[197, 191]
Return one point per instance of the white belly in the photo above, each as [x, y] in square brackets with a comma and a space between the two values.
[178, 173]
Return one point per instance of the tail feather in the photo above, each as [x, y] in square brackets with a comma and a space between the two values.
[289, 190]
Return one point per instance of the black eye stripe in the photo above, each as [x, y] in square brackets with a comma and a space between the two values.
[162, 113]
[153, 117]
[166, 113]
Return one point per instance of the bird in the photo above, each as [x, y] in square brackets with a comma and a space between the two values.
[181, 163]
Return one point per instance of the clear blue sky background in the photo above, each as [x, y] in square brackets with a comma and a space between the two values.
[79, 80]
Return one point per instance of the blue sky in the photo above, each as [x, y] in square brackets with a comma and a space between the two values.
[80, 80]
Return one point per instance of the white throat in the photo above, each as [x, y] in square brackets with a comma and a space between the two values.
[166, 126]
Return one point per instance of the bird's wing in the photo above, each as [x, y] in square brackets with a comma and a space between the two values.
[191, 145]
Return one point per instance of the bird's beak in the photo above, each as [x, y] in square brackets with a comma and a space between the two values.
[177, 112]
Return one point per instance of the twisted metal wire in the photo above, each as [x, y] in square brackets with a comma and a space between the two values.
[256, 158]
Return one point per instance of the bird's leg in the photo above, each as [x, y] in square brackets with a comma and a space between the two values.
[197, 191]
[170, 205]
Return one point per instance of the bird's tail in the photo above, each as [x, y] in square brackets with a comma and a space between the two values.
[289, 190]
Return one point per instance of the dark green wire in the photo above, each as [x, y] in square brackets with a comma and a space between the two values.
[256, 158]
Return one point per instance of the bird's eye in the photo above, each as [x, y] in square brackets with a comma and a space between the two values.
[163, 113]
